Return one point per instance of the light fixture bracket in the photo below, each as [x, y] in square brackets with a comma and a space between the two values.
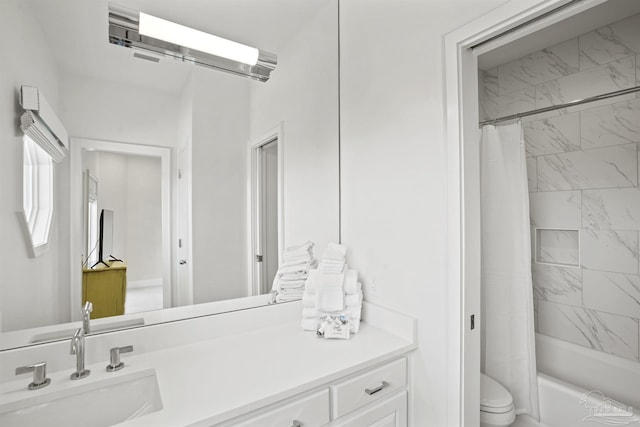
[124, 31]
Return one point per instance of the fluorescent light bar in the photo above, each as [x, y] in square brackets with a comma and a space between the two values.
[171, 32]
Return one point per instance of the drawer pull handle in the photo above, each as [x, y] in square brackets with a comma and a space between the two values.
[296, 423]
[371, 391]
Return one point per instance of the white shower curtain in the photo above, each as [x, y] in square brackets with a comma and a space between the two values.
[507, 295]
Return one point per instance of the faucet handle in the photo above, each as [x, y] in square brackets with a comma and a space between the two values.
[39, 370]
[114, 358]
[87, 307]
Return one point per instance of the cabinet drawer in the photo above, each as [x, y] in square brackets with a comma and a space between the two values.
[368, 387]
[388, 412]
[309, 411]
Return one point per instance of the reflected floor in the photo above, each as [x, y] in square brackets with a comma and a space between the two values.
[141, 299]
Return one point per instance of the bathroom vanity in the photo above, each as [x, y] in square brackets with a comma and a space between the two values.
[249, 368]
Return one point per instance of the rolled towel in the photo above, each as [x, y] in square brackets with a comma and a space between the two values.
[354, 300]
[351, 282]
[308, 300]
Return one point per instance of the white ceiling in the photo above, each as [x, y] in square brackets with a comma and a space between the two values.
[76, 31]
[596, 17]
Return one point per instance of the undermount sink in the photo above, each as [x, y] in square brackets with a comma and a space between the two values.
[68, 333]
[98, 404]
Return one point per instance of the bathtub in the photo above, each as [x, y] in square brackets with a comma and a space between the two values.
[580, 387]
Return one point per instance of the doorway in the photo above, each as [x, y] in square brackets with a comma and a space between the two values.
[139, 159]
[513, 21]
[266, 210]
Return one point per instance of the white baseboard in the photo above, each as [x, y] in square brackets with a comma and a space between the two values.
[132, 284]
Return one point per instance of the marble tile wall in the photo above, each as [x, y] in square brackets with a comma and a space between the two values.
[583, 176]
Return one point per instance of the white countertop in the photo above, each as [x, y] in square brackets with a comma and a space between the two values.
[220, 378]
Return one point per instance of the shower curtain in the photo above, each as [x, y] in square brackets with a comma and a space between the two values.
[507, 294]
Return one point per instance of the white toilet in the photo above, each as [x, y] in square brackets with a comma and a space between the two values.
[496, 404]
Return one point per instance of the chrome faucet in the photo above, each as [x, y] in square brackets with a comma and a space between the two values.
[86, 312]
[77, 348]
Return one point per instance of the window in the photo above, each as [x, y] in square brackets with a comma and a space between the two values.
[37, 190]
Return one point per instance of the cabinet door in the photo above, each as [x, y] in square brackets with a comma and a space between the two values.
[309, 411]
[368, 387]
[390, 412]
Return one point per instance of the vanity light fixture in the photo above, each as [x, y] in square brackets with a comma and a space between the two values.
[138, 30]
[171, 32]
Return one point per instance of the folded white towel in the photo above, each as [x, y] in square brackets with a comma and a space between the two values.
[334, 251]
[297, 284]
[294, 269]
[333, 261]
[302, 263]
[312, 281]
[355, 311]
[351, 282]
[310, 312]
[306, 246]
[354, 325]
[332, 268]
[297, 258]
[288, 296]
[329, 298]
[308, 300]
[309, 324]
[292, 277]
[354, 299]
[329, 280]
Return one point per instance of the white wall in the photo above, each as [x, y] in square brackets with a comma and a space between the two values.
[303, 93]
[129, 185]
[393, 170]
[220, 131]
[100, 109]
[26, 284]
[144, 219]
[112, 174]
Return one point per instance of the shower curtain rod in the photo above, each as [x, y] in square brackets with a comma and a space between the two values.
[557, 107]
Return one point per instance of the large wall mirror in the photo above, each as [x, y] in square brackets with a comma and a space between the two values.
[168, 153]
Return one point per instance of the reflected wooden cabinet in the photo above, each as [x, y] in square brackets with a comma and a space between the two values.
[106, 288]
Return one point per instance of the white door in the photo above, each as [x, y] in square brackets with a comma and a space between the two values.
[184, 289]
[265, 200]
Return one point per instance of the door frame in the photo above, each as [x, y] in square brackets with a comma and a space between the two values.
[463, 189]
[76, 211]
[274, 134]
[184, 295]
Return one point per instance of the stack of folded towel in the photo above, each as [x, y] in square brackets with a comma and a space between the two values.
[332, 288]
[292, 275]
[333, 259]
